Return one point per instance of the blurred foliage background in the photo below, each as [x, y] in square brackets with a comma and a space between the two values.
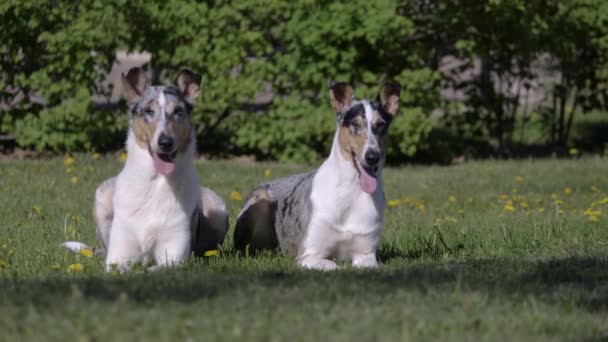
[492, 78]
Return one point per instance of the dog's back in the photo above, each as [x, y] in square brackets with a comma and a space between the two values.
[276, 214]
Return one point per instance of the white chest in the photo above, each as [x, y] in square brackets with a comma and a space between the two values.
[151, 207]
[345, 221]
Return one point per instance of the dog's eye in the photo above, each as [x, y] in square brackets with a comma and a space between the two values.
[179, 112]
[381, 128]
[148, 112]
[355, 126]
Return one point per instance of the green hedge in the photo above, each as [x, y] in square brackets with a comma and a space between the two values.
[61, 50]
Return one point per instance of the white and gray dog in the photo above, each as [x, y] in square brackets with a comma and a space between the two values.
[336, 211]
[155, 209]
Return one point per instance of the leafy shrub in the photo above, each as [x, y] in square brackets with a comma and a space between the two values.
[266, 66]
[59, 51]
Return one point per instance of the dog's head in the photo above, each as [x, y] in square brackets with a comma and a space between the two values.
[160, 115]
[363, 128]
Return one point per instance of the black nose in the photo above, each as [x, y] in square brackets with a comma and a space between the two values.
[372, 158]
[165, 143]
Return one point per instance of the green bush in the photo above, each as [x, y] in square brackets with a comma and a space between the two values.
[61, 50]
[57, 53]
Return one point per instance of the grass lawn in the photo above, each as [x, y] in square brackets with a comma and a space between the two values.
[513, 250]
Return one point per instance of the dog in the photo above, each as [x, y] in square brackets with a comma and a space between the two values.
[336, 211]
[155, 209]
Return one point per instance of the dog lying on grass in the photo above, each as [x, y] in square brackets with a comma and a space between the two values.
[155, 209]
[336, 211]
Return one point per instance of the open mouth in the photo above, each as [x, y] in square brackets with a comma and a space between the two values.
[163, 162]
[367, 176]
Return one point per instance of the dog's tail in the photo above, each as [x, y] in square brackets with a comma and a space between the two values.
[79, 247]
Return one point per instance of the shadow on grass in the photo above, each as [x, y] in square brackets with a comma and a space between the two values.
[582, 281]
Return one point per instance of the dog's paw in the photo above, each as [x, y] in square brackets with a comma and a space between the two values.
[365, 261]
[319, 264]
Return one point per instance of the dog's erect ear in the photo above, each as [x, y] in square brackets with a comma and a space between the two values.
[341, 95]
[389, 97]
[189, 84]
[134, 83]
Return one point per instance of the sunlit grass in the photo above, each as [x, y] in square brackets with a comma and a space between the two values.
[468, 252]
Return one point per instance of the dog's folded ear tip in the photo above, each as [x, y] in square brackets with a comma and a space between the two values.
[335, 85]
[392, 87]
[132, 71]
[187, 75]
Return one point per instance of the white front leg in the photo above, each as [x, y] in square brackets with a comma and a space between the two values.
[172, 250]
[123, 249]
[317, 247]
[317, 263]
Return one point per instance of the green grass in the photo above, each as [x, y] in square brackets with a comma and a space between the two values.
[458, 264]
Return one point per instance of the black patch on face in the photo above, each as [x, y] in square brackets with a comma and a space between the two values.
[352, 113]
[383, 114]
[349, 118]
[380, 127]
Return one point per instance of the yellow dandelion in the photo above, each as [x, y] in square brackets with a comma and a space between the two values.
[212, 252]
[567, 191]
[594, 188]
[75, 267]
[509, 207]
[421, 207]
[411, 201]
[594, 218]
[541, 210]
[554, 196]
[504, 197]
[592, 212]
[392, 203]
[461, 212]
[86, 252]
[573, 151]
[451, 219]
[68, 161]
[519, 179]
[36, 210]
[3, 264]
[123, 156]
[452, 199]
[267, 173]
[524, 205]
[236, 196]
[437, 221]
[603, 201]
[69, 169]
[74, 179]
[96, 156]
[55, 266]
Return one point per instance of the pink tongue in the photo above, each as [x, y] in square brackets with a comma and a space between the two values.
[163, 167]
[368, 183]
